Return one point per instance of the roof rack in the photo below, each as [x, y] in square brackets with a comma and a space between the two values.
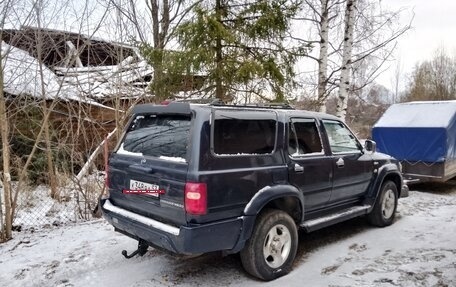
[220, 103]
[285, 106]
[197, 101]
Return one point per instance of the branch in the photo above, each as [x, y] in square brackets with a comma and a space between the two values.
[93, 156]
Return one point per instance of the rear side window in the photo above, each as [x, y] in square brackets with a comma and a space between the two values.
[162, 136]
[303, 137]
[244, 133]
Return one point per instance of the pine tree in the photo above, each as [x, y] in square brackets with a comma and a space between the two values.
[241, 46]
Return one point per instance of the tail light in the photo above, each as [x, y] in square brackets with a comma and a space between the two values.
[196, 198]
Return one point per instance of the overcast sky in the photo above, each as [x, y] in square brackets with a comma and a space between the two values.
[433, 26]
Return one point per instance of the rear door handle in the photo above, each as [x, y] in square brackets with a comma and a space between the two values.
[340, 163]
[298, 168]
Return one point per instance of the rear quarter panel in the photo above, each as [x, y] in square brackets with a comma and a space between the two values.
[232, 180]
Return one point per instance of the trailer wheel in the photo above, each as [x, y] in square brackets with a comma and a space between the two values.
[385, 206]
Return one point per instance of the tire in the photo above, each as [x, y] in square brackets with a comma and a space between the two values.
[385, 206]
[270, 251]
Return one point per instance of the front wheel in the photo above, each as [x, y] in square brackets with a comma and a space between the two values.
[270, 252]
[385, 206]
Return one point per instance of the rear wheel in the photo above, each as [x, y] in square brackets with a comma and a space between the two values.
[270, 252]
[385, 206]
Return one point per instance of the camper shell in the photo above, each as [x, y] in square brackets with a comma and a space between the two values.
[422, 136]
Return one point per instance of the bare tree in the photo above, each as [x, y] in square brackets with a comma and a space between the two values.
[37, 95]
[4, 127]
[434, 79]
[6, 229]
[373, 36]
[154, 23]
[396, 81]
[344, 83]
[39, 48]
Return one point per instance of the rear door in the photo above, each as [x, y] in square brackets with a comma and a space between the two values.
[148, 171]
[310, 169]
[352, 167]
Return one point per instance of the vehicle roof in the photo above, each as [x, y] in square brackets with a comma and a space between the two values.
[186, 108]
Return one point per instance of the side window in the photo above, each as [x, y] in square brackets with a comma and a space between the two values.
[243, 135]
[340, 138]
[303, 137]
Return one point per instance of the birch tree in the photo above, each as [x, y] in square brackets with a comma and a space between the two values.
[396, 80]
[374, 34]
[344, 82]
[326, 20]
[323, 55]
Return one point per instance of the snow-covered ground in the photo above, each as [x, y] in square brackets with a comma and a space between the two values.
[418, 250]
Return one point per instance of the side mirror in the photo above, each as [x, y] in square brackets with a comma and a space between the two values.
[370, 145]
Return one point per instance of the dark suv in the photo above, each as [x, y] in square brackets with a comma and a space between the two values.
[193, 178]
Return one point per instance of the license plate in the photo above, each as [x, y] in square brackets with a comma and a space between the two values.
[139, 185]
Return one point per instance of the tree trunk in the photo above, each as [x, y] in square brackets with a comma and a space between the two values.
[93, 156]
[55, 194]
[154, 10]
[396, 81]
[160, 27]
[323, 58]
[4, 126]
[219, 93]
[50, 162]
[157, 53]
[2, 224]
[344, 84]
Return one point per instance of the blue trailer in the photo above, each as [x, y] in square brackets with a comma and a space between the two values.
[422, 135]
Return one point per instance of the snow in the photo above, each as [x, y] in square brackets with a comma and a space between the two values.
[22, 76]
[36, 208]
[419, 114]
[419, 249]
[110, 82]
[171, 158]
[121, 150]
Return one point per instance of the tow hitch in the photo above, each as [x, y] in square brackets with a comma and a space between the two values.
[142, 249]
